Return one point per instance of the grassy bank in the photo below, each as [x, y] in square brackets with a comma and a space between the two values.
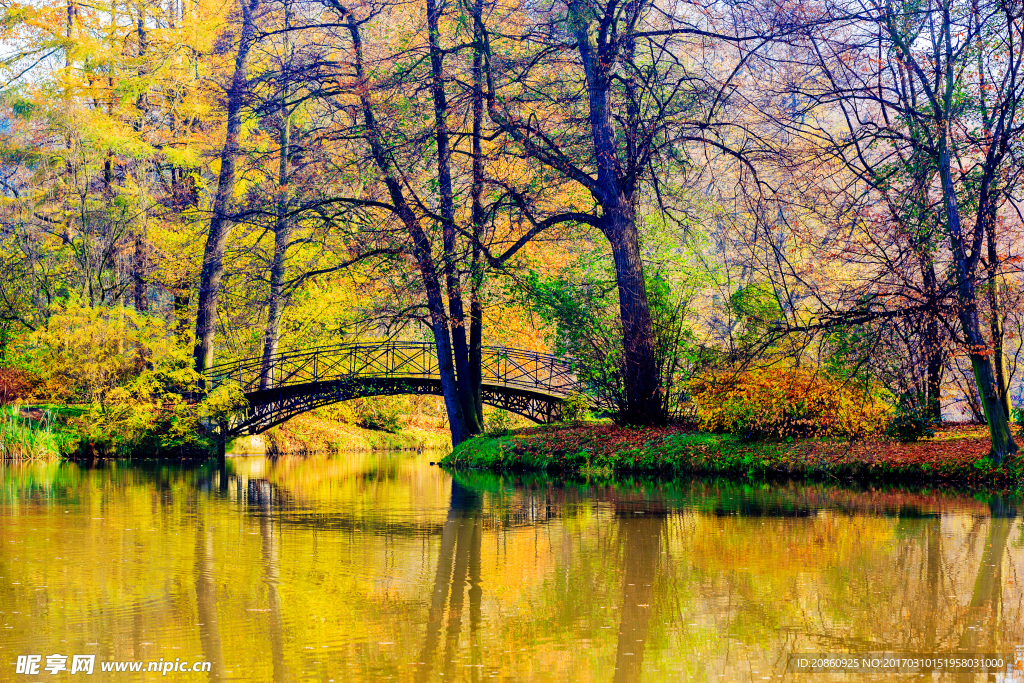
[955, 455]
[49, 433]
[32, 435]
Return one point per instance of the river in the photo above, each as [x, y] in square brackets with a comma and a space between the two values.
[372, 567]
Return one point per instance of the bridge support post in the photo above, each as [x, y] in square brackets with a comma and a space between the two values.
[221, 443]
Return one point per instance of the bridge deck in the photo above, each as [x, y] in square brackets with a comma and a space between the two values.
[529, 383]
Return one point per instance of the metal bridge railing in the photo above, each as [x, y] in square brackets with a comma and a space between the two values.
[500, 366]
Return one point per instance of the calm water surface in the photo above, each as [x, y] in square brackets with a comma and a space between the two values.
[370, 567]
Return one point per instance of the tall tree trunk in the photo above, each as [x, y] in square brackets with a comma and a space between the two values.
[643, 398]
[277, 302]
[978, 349]
[476, 311]
[643, 404]
[934, 361]
[418, 237]
[452, 279]
[139, 264]
[220, 223]
[935, 368]
[72, 14]
[996, 313]
[282, 234]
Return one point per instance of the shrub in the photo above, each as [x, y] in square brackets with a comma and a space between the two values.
[85, 352]
[16, 384]
[780, 402]
[156, 412]
[910, 423]
[575, 408]
[382, 416]
[343, 411]
[135, 386]
[498, 423]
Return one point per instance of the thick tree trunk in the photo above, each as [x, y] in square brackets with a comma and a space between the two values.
[420, 241]
[453, 282]
[978, 349]
[220, 223]
[643, 399]
[643, 404]
[991, 403]
[439, 325]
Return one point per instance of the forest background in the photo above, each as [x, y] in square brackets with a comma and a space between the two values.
[772, 218]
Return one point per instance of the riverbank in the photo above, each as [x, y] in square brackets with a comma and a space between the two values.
[312, 433]
[49, 433]
[956, 455]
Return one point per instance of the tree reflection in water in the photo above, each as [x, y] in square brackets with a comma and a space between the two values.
[360, 569]
[640, 532]
[458, 568]
[206, 600]
[271, 562]
[980, 632]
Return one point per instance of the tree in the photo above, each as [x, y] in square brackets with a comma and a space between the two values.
[925, 99]
[602, 95]
[384, 160]
[220, 221]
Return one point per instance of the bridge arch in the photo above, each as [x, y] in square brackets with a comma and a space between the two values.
[524, 382]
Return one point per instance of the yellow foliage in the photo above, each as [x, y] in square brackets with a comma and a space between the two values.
[777, 402]
[85, 352]
[134, 383]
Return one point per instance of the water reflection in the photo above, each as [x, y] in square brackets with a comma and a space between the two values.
[206, 601]
[641, 531]
[262, 493]
[377, 567]
[458, 574]
[982, 618]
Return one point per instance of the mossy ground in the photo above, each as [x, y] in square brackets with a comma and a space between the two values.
[955, 455]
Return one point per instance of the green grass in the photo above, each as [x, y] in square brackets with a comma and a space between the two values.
[21, 438]
[711, 454]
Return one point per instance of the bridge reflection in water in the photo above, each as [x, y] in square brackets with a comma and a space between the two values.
[524, 382]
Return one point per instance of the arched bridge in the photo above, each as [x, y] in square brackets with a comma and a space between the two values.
[524, 382]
